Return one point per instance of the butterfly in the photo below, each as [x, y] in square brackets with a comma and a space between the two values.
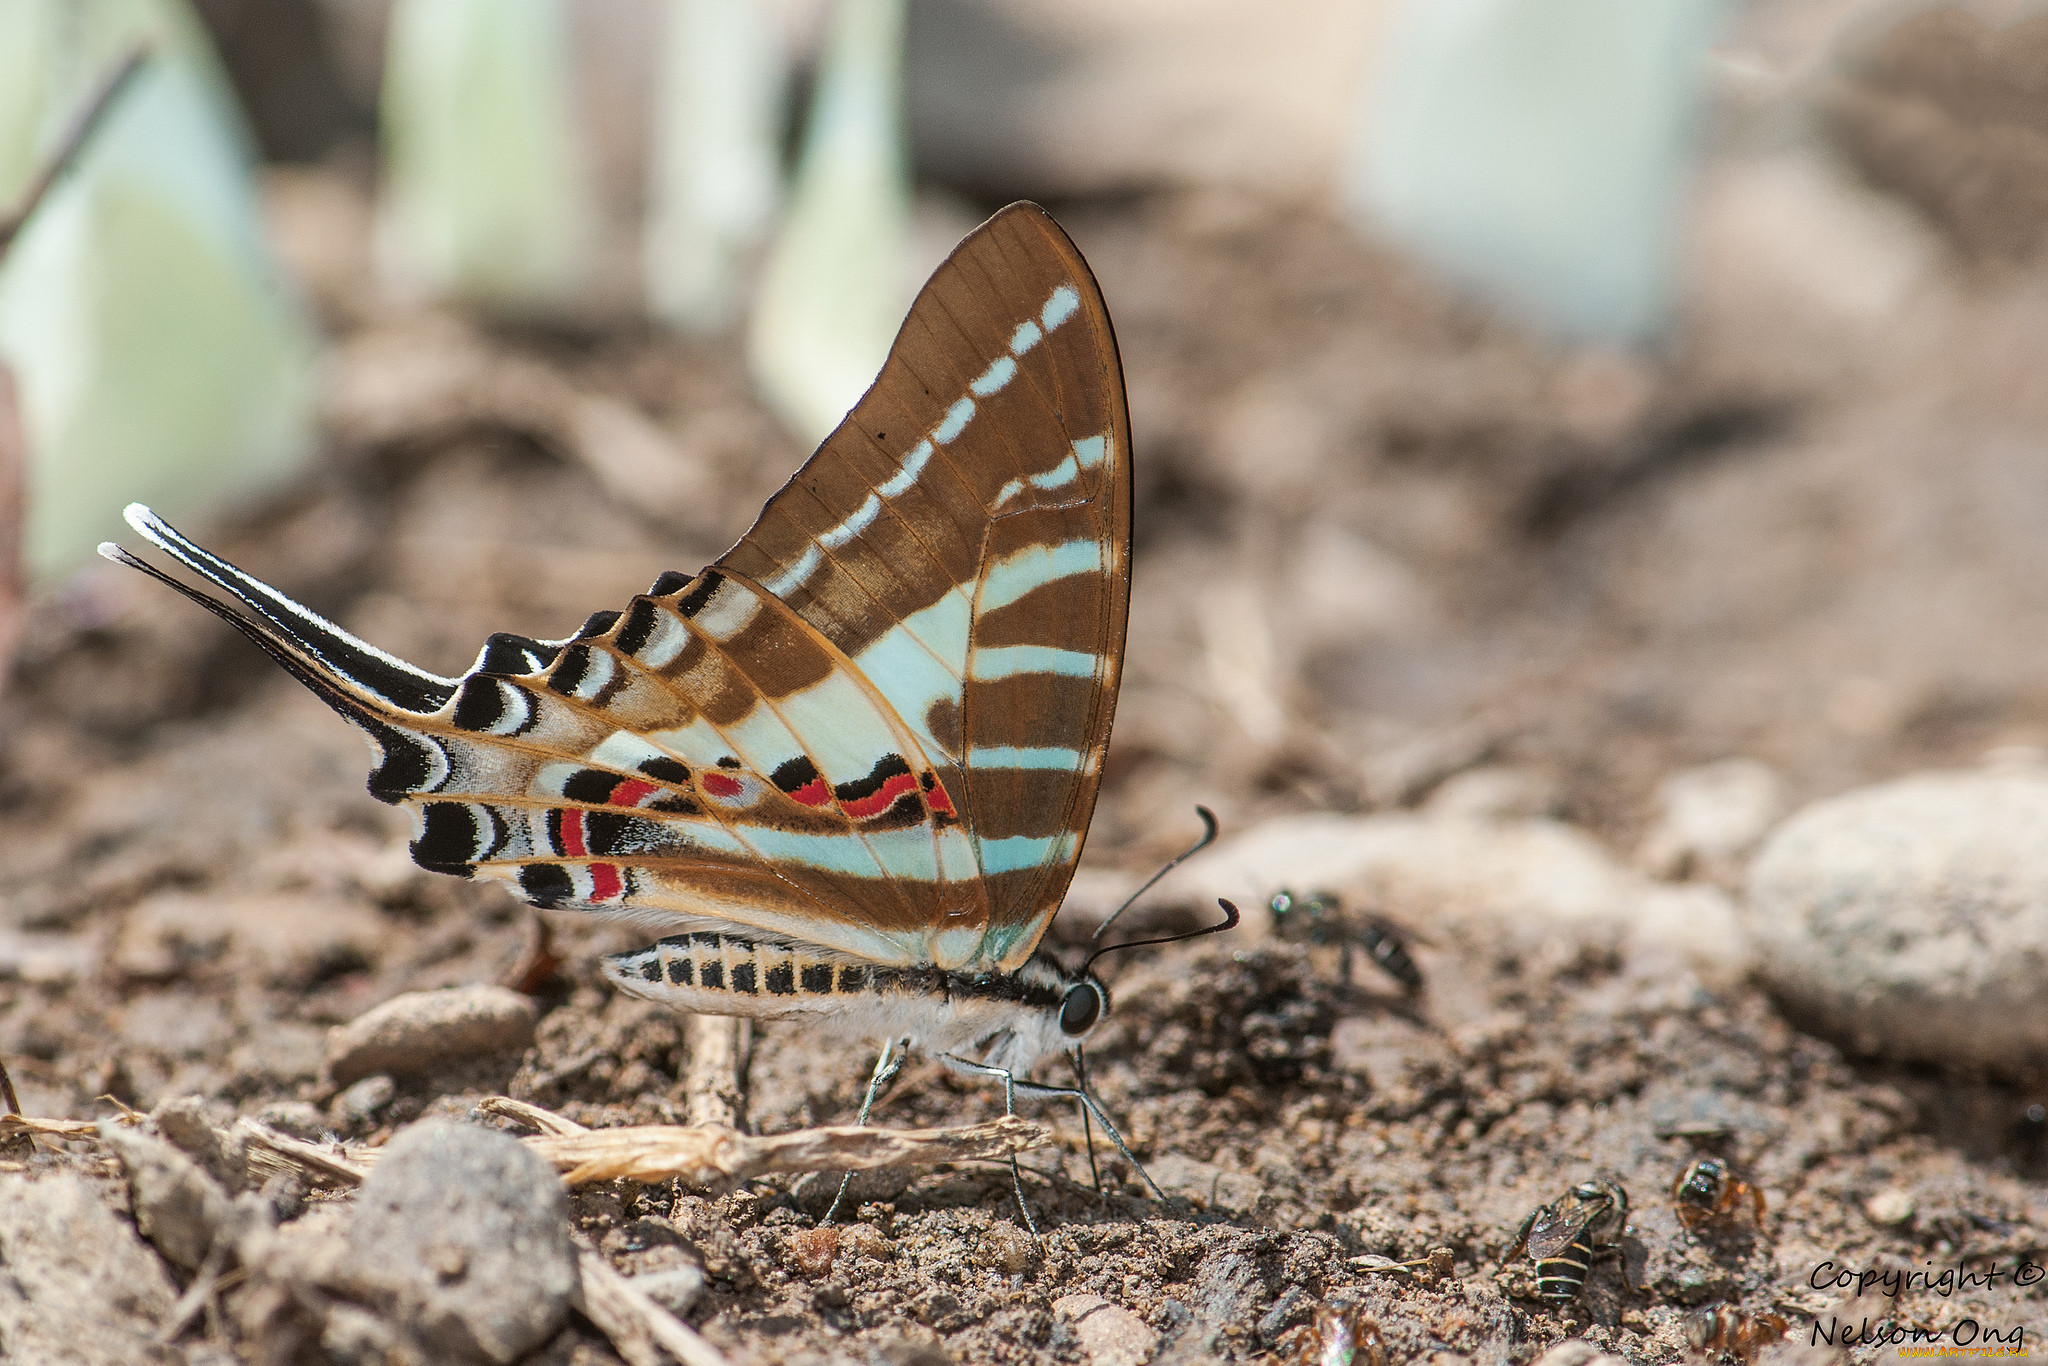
[849, 767]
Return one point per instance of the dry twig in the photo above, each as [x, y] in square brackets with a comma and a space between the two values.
[635, 1324]
[715, 1076]
[10, 1125]
[714, 1156]
[271, 1153]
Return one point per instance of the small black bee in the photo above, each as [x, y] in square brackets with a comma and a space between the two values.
[1731, 1332]
[1564, 1236]
[1708, 1193]
[1320, 918]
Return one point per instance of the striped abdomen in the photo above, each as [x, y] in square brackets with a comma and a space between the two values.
[1559, 1279]
[726, 965]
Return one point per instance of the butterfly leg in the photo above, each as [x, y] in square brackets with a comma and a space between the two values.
[1039, 1088]
[1087, 1127]
[894, 1053]
[1010, 1084]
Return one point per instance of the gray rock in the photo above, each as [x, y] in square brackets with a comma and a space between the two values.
[363, 1100]
[423, 1030]
[199, 1128]
[675, 1289]
[178, 1206]
[1110, 1335]
[77, 1286]
[1911, 918]
[472, 1231]
[1578, 1352]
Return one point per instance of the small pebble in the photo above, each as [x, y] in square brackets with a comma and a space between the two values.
[199, 1127]
[300, 1119]
[1007, 1248]
[865, 1240]
[675, 1289]
[178, 1207]
[363, 1100]
[1910, 919]
[1578, 1352]
[1110, 1335]
[473, 1229]
[814, 1250]
[1889, 1207]
[422, 1030]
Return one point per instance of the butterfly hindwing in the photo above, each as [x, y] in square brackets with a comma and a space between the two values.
[679, 762]
[875, 726]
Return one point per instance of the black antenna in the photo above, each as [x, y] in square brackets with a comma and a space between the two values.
[1208, 838]
[1229, 922]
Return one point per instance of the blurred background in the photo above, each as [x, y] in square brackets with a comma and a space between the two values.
[1534, 399]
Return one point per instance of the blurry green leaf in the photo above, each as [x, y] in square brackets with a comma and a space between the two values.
[1536, 150]
[157, 353]
[712, 183]
[484, 195]
[834, 293]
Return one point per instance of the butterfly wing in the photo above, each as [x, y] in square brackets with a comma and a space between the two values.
[964, 539]
[875, 725]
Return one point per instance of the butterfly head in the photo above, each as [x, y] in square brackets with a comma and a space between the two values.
[1082, 1006]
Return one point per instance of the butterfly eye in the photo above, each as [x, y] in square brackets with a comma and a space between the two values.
[1080, 1010]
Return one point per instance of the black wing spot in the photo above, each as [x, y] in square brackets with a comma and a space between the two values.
[449, 840]
[546, 884]
[852, 980]
[907, 809]
[713, 976]
[743, 979]
[817, 979]
[780, 980]
[728, 762]
[794, 773]
[679, 971]
[693, 601]
[481, 704]
[407, 763]
[590, 785]
[666, 770]
[668, 582]
[604, 832]
[887, 767]
[506, 653]
[650, 968]
[596, 624]
[639, 625]
[676, 806]
[570, 669]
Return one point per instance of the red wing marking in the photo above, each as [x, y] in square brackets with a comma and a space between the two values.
[813, 793]
[881, 800]
[718, 785]
[631, 792]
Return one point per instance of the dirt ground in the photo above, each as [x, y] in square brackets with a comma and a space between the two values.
[1371, 524]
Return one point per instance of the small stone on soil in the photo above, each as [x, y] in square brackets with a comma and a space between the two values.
[1911, 918]
[1110, 1335]
[178, 1206]
[474, 1231]
[422, 1030]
